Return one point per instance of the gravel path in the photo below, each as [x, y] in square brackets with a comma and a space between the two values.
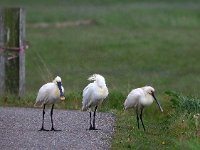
[19, 130]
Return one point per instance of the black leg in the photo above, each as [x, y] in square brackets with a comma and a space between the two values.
[92, 127]
[42, 128]
[90, 121]
[94, 118]
[52, 128]
[141, 119]
[137, 118]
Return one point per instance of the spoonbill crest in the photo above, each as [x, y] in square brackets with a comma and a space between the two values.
[93, 95]
[50, 93]
[139, 98]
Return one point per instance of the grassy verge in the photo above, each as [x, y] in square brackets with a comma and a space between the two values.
[176, 128]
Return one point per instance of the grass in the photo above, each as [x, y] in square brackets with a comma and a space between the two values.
[131, 43]
[170, 130]
[137, 43]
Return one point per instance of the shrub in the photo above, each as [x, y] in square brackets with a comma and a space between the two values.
[182, 104]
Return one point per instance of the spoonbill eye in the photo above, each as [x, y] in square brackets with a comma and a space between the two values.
[151, 92]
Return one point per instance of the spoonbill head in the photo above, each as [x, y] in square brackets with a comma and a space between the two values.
[139, 98]
[93, 95]
[50, 93]
[58, 81]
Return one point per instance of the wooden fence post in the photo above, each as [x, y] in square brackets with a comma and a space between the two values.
[22, 46]
[2, 57]
[13, 53]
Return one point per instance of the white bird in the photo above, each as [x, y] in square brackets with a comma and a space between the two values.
[50, 93]
[139, 98]
[93, 95]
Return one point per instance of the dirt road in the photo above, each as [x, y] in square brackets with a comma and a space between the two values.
[19, 130]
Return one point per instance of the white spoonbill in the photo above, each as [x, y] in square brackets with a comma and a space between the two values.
[93, 95]
[50, 93]
[139, 98]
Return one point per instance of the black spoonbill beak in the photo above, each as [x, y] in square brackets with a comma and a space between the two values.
[60, 89]
[157, 102]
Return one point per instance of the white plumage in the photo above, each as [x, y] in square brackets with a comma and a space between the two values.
[93, 95]
[50, 93]
[140, 98]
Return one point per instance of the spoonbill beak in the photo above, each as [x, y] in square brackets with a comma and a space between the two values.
[60, 89]
[157, 102]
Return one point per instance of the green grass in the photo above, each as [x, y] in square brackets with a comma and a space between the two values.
[173, 129]
[132, 43]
